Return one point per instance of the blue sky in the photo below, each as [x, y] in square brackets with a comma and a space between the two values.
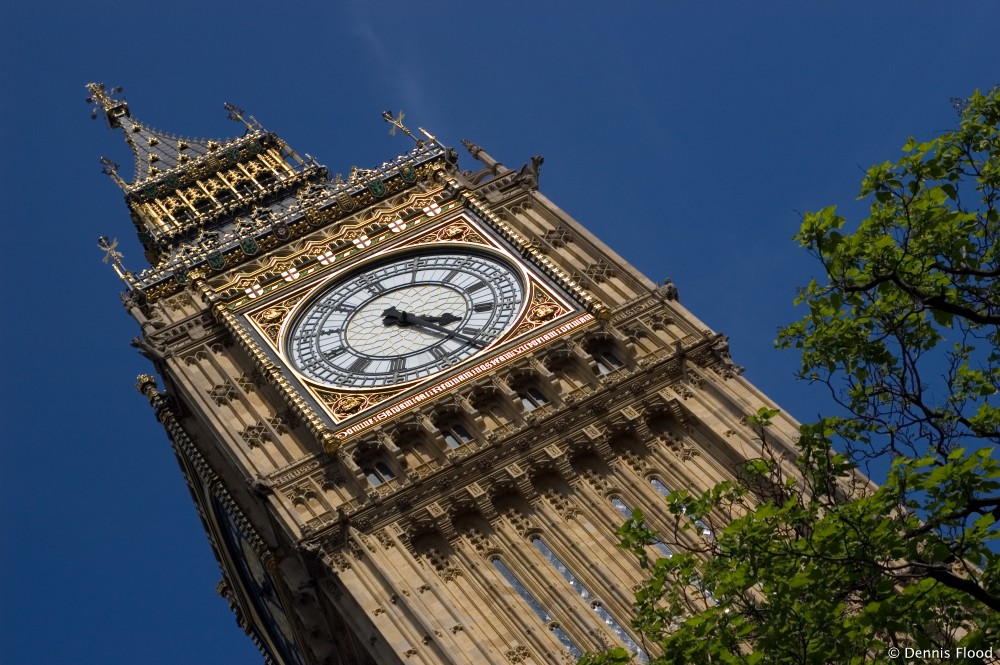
[689, 136]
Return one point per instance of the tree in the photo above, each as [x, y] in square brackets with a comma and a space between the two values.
[819, 565]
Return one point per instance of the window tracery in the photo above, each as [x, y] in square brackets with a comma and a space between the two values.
[585, 594]
[536, 607]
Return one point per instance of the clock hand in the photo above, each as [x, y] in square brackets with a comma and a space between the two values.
[393, 316]
[443, 319]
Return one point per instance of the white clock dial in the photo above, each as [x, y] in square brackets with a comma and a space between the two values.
[404, 319]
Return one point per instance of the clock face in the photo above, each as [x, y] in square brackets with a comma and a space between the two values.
[404, 319]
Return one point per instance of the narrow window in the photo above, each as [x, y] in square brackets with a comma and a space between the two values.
[378, 473]
[606, 361]
[582, 591]
[532, 398]
[617, 629]
[537, 608]
[705, 530]
[455, 435]
[622, 508]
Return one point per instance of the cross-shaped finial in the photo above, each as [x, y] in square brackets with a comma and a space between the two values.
[236, 113]
[112, 255]
[110, 168]
[101, 98]
[397, 123]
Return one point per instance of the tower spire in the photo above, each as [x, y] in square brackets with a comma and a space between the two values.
[156, 152]
[114, 109]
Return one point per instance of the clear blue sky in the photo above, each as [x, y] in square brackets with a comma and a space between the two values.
[689, 136]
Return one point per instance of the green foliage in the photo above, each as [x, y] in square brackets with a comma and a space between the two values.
[816, 564]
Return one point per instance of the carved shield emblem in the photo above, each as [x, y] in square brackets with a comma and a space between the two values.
[377, 187]
[216, 261]
[281, 231]
[249, 246]
[409, 173]
[345, 201]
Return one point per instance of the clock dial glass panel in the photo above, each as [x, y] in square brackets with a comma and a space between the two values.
[404, 319]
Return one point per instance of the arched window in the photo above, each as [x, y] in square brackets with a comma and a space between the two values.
[531, 398]
[606, 361]
[377, 473]
[622, 508]
[455, 434]
[607, 358]
[539, 611]
[582, 591]
[705, 530]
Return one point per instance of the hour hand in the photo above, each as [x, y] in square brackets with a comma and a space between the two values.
[443, 319]
[392, 316]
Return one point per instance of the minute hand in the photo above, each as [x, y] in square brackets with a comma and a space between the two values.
[393, 315]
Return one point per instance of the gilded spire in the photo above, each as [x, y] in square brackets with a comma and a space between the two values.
[156, 152]
[113, 108]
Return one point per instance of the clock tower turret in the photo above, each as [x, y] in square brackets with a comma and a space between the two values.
[413, 406]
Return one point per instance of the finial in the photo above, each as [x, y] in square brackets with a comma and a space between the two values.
[112, 255]
[113, 109]
[484, 157]
[236, 113]
[145, 384]
[397, 123]
[471, 147]
[110, 168]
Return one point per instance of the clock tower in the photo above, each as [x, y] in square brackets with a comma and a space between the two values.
[413, 406]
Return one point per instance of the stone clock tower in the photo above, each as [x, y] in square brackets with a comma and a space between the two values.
[413, 406]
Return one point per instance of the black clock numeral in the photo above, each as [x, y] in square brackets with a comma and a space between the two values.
[438, 353]
[483, 306]
[333, 353]
[359, 365]
[397, 364]
[476, 287]
[330, 331]
[372, 284]
[472, 332]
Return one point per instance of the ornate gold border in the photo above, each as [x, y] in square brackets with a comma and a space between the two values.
[328, 253]
[543, 306]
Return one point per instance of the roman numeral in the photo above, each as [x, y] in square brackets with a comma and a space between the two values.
[472, 332]
[483, 306]
[397, 364]
[475, 287]
[359, 365]
[438, 353]
[333, 353]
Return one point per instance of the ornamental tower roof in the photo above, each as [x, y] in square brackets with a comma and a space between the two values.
[157, 152]
[201, 205]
